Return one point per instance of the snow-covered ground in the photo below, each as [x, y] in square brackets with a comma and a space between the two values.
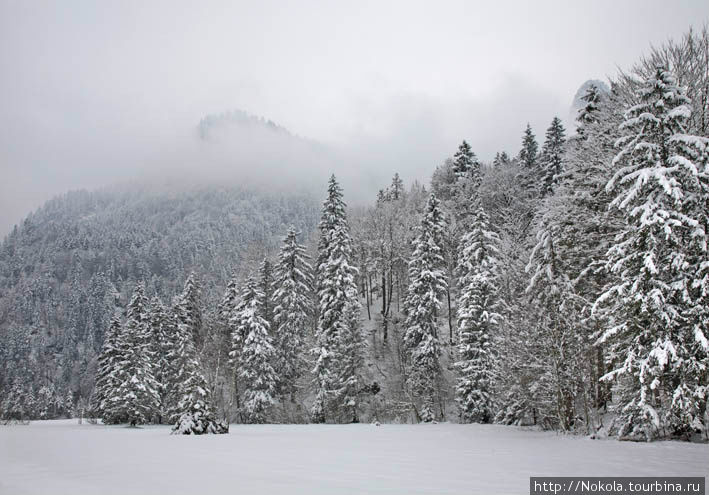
[62, 457]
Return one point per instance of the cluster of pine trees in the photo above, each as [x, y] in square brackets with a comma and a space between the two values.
[575, 275]
[149, 367]
[148, 370]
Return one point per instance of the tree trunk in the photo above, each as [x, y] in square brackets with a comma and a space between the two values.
[450, 315]
[385, 329]
[367, 297]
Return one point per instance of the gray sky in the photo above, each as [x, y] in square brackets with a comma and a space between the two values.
[96, 92]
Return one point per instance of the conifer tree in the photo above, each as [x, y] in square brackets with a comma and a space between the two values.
[397, 187]
[189, 309]
[427, 285]
[530, 148]
[552, 156]
[194, 412]
[256, 356]
[336, 290]
[228, 304]
[464, 161]
[530, 175]
[479, 308]
[106, 384]
[657, 303]
[292, 307]
[159, 328]
[137, 398]
[588, 114]
[559, 342]
[266, 288]
[350, 362]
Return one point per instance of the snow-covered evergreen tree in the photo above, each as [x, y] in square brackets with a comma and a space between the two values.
[160, 326]
[427, 285]
[266, 288]
[292, 303]
[397, 187]
[137, 398]
[194, 412]
[588, 114]
[189, 309]
[551, 160]
[350, 362]
[464, 160]
[256, 356]
[479, 308]
[528, 153]
[559, 343]
[336, 291]
[657, 304]
[106, 383]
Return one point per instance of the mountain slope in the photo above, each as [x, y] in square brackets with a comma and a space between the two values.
[73, 264]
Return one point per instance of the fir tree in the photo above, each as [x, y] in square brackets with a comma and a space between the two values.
[551, 157]
[255, 357]
[336, 290]
[106, 384]
[559, 342]
[137, 398]
[194, 413]
[528, 153]
[350, 362]
[292, 307]
[530, 175]
[657, 304]
[464, 161]
[397, 187]
[266, 288]
[588, 114]
[159, 328]
[427, 285]
[479, 316]
[189, 309]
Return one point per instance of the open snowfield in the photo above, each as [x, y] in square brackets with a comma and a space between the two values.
[62, 457]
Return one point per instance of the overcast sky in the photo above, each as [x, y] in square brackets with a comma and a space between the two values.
[96, 92]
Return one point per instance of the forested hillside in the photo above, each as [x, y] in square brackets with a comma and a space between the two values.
[73, 264]
[564, 284]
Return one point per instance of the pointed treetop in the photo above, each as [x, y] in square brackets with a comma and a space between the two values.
[588, 113]
[528, 153]
[464, 160]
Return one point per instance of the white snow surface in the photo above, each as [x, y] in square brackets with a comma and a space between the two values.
[63, 457]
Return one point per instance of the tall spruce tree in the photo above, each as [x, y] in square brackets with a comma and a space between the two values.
[529, 153]
[292, 302]
[194, 412]
[106, 384]
[427, 285]
[397, 187]
[159, 327]
[479, 315]
[256, 356]
[588, 114]
[657, 304]
[189, 309]
[265, 283]
[559, 342]
[551, 160]
[137, 399]
[464, 160]
[336, 291]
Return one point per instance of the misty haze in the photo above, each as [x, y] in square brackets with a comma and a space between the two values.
[353, 247]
